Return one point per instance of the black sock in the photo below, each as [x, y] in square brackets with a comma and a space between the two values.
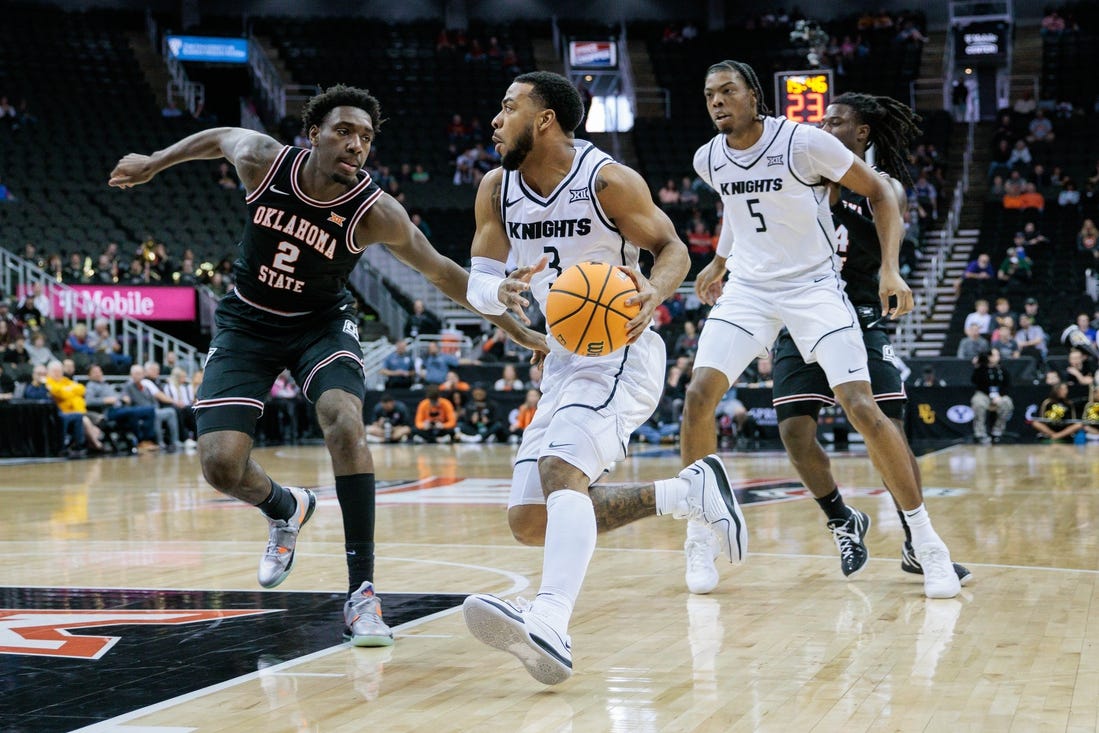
[356, 497]
[904, 526]
[833, 506]
[279, 504]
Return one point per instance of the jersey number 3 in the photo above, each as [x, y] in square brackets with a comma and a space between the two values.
[752, 203]
[285, 258]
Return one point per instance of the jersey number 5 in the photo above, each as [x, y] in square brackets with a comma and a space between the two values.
[285, 258]
[751, 210]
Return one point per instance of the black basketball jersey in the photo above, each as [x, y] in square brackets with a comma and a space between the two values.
[296, 252]
[858, 246]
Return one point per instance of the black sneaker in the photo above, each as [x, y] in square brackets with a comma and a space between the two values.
[849, 534]
[910, 564]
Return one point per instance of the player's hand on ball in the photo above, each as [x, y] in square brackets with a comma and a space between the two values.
[514, 285]
[133, 170]
[647, 299]
[528, 338]
[893, 285]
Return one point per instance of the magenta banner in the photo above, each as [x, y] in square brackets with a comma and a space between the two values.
[145, 303]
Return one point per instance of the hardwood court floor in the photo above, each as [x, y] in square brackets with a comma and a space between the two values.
[784, 643]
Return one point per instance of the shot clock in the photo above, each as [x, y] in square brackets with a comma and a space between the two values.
[803, 96]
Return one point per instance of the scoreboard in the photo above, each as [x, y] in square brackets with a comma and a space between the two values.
[802, 96]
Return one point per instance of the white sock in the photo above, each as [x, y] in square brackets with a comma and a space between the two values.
[570, 543]
[671, 495]
[920, 525]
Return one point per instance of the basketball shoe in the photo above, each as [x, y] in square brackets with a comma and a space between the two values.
[278, 558]
[710, 498]
[910, 564]
[701, 549]
[362, 614]
[849, 535]
[939, 578]
[513, 628]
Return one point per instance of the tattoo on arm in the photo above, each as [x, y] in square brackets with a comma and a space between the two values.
[600, 184]
[496, 197]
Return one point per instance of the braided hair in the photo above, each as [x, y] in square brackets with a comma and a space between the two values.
[748, 75]
[893, 127]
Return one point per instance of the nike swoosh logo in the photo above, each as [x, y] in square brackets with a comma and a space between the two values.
[278, 191]
[558, 445]
[719, 167]
[852, 371]
[512, 203]
[344, 306]
[821, 279]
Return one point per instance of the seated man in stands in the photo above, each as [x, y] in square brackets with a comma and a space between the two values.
[980, 316]
[1016, 271]
[435, 364]
[980, 269]
[1031, 339]
[1004, 342]
[69, 396]
[398, 368]
[928, 378]
[104, 398]
[520, 417]
[993, 384]
[390, 421]
[481, 420]
[436, 418]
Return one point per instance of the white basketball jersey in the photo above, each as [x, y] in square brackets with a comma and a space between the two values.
[567, 225]
[776, 200]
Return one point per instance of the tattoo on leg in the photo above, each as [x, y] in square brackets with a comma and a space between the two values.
[617, 505]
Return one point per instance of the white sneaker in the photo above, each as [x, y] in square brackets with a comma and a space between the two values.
[701, 549]
[469, 438]
[710, 499]
[282, 538]
[939, 578]
[511, 627]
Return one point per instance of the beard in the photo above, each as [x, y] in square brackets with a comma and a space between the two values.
[514, 157]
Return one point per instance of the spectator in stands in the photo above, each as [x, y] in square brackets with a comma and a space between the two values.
[1016, 271]
[34, 308]
[6, 336]
[456, 131]
[700, 242]
[688, 196]
[1080, 369]
[436, 418]
[74, 272]
[973, 345]
[1055, 414]
[453, 386]
[138, 274]
[16, 355]
[1052, 24]
[1030, 308]
[398, 368]
[534, 378]
[1031, 199]
[435, 364]
[104, 398]
[662, 426]
[69, 397]
[494, 346]
[226, 177]
[980, 269]
[993, 393]
[758, 374]
[15, 326]
[39, 352]
[420, 321]
[687, 342]
[1040, 129]
[77, 342]
[1025, 104]
[420, 174]
[186, 275]
[8, 113]
[100, 340]
[1003, 315]
[520, 417]
[5, 193]
[390, 421]
[928, 378]
[36, 389]
[1087, 239]
[1069, 196]
[509, 381]
[668, 195]
[996, 190]
[481, 420]
[1004, 341]
[1031, 339]
[179, 390]
[981, 317]
[998, 164]
[926, 196]
[1032, 237]
[166, 415]
[106, 270]
[1020, 158]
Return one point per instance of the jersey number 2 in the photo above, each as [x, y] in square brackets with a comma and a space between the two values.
[751, 210]
[286, 257]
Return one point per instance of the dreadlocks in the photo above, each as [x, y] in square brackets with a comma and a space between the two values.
[749, 76]
[893, 127]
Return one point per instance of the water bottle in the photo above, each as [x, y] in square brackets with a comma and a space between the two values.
[1080, 438]
[388, 429]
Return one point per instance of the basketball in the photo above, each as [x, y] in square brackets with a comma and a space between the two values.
[586, 309]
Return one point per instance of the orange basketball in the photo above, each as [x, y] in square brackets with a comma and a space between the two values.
[586, 309]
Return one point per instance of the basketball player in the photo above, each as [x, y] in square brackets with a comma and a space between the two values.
[311, 215]
[771, 174]
[555, 202]
[859, 121]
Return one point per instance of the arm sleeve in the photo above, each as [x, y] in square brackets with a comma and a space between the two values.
[816, 155]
